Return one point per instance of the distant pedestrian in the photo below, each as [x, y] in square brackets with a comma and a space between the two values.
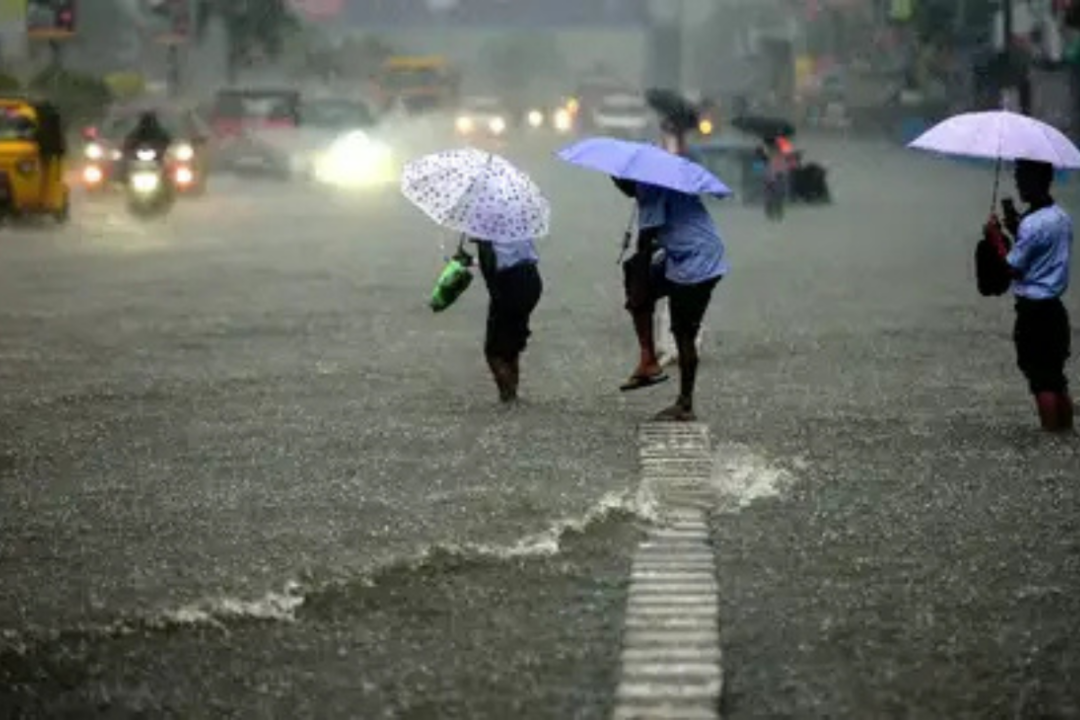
[777, 167]
[511, 272]
[1037, 264]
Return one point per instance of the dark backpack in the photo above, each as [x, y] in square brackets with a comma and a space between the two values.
[992, 274]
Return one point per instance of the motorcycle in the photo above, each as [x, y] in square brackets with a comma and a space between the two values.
[148, 189]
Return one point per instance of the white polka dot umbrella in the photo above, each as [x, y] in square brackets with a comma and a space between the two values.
[479, 194]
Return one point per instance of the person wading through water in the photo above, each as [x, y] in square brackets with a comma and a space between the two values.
[1036, 268]
[511, 272]
[692, 265]
[672, 139]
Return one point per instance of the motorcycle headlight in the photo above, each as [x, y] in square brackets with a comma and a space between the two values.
[145, 182]
[184, 152]
[497, 125]
[146, 155]
[464, 124]
[536, 118]
[94, 151]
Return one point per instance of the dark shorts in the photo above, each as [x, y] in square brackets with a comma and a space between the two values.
[645, 283]
[1043, 338]
[515, 293]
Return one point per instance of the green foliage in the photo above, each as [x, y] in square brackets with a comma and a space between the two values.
[254, 26]
[10, 84]
[79, 97]
[125, 85]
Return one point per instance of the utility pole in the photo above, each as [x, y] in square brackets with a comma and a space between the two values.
[666, 43]
[174, 77]
[1016, 88]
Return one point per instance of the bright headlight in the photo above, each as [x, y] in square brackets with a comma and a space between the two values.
[464, 124]
[536, 118]
[354, 160]
[146, 155]
[563, 120]
[184, 152]
[497, 125]
[94, 151]
[145, 182]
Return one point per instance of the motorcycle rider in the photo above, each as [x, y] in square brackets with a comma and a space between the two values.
[148, 132]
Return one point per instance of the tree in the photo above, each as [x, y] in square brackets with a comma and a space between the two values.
[517, 63]
[252, 26]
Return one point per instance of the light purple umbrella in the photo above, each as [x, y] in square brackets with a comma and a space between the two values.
[1000, 135]
[644, 163]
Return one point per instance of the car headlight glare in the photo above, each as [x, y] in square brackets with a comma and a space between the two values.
[464, 124]
[563, 120]
[536, 118]
[354, 160]
[94, 151]
[497, 125]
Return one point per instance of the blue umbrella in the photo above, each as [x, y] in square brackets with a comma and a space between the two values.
[644, 163]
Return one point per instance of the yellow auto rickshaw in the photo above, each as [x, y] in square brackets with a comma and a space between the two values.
[32, 152]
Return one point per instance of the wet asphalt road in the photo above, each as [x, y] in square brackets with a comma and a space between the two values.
[923, 558]
[197, 414]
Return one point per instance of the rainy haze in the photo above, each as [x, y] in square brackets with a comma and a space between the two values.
[489, 359]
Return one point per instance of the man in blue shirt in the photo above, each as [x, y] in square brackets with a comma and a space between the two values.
[1038, 263]
[693, 263]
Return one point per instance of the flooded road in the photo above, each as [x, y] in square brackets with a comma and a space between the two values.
[246, 472]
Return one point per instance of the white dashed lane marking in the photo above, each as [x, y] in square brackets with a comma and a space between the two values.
[671, 659]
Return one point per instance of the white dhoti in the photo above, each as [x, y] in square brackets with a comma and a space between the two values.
[666, 349]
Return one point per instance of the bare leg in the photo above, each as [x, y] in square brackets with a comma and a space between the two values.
[502, 372]
[648, 364]
[1047, 405]
[1065, 412]
[514, 377]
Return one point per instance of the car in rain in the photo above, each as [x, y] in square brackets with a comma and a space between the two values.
[189, 156]
[623, 115]
[248, 124]
[339, 145]
[553, 116]
[486, 117]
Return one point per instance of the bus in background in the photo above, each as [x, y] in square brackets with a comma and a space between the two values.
[420, 84]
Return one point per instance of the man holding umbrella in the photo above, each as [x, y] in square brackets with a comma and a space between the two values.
[498, 207]
[1036, 266]
[678, 117]
[672, 216]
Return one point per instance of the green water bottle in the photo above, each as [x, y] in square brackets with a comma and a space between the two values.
[453, 281]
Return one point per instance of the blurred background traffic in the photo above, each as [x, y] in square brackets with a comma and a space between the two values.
[338, 91]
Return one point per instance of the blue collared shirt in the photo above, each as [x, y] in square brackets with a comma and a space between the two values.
[1041, 254]
[692, 244]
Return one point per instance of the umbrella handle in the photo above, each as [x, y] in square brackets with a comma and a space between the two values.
[997, 186]
[628, 236]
